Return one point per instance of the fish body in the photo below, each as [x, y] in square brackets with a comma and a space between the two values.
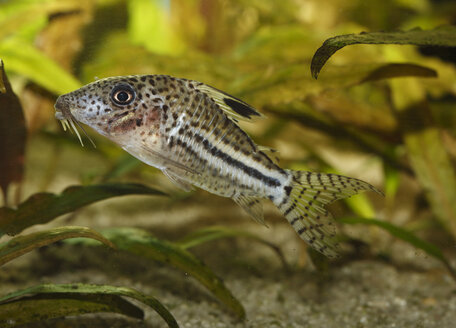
[189, 131]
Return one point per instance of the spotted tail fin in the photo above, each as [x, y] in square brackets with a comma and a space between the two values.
[303, 205]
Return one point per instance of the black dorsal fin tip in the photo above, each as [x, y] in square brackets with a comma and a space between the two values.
[240, 107]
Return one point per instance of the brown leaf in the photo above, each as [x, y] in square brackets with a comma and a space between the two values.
[12, 136]
[348, 112]
[393, 70]
[443, 36]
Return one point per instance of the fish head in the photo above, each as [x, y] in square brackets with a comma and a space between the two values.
[100, 102]
[114, 106]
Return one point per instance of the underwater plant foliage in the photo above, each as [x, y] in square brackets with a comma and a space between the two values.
[363, 89]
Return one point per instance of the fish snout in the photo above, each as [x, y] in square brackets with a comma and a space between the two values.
[62, 108]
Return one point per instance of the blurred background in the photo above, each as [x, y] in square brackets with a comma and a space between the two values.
[399, 134]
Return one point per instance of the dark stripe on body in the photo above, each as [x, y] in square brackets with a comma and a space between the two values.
[218, 153]
[202, 162]
[250, 171]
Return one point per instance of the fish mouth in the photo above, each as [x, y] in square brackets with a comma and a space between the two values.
[66, 118]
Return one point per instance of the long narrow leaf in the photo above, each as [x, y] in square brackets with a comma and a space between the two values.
[442, 36]
[406, 236]
[47, 301]
[12, 135]
[143, 244]
[44, 207]
[25, 59]
[24, 244]
[217, 232]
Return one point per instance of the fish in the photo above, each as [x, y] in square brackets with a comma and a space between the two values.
[190, 131]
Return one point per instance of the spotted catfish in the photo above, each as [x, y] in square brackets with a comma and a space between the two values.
[189, 131]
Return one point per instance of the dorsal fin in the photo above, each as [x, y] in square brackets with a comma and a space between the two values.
[271, 153]
[233, 107]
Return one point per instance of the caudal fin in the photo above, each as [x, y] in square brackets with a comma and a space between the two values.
[303, 205]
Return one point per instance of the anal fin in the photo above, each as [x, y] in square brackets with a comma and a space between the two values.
[253, 207]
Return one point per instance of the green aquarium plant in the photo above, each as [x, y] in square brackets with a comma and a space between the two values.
[382, 109]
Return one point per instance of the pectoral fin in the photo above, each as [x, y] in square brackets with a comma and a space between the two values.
[179, 182]
[253, 206]
[170, 164]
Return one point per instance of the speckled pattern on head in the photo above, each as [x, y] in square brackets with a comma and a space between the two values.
[189, 130]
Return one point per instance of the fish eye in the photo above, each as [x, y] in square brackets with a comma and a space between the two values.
[123, 94]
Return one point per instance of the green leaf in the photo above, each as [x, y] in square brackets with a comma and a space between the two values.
[143, 244]
[16, 16]
[428, 154]
[151, 25]
[43, 207]
[392, 179]
[435, 171]
[24, 244]
[25, 59]
[48, 301]
[360, 205]
[217, 232]
[125, 164]
[442, 36]
[406, 236]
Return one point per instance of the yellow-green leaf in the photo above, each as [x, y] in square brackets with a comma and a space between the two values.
[150, 25]
[15, 15]
[361, 205]
[27, 60]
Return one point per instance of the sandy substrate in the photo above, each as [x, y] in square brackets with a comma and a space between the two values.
[415, 291]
